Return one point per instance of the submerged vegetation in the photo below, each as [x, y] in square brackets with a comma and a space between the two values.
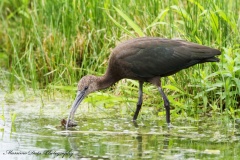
[50, 45]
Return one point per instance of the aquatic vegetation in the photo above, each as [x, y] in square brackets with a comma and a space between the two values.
[49, 45]
[13, 116]
[114, 138]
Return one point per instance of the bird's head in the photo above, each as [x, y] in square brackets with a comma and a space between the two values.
[86, 85]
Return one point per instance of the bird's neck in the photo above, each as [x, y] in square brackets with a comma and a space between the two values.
[106, 81]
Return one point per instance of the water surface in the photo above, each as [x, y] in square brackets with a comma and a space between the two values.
[36, 134]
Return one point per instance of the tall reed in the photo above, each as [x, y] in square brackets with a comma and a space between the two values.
[51, 44]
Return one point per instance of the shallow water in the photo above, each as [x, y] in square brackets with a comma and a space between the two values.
[36, 134]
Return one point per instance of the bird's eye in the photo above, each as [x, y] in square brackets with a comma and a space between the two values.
[85, 88]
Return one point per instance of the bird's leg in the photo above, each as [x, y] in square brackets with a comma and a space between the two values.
[139, 103]
[166, 104]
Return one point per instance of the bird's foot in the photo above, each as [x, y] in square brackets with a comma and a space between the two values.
[170, 125]
[135, 123]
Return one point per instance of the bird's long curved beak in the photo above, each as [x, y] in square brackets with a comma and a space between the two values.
[80, 96]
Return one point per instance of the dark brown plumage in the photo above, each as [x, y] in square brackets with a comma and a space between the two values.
[146, 60]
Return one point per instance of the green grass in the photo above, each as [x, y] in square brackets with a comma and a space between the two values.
[50, 45]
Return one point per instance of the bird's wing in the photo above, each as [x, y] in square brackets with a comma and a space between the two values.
[163, 58]
[157, 61]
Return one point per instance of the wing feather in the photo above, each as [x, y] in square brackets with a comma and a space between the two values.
[151, 57]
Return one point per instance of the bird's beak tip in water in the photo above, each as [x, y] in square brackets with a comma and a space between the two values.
[80, 96]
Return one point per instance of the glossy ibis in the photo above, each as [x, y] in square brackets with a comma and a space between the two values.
[146, 60]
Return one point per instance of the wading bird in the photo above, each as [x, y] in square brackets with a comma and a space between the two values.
[146, 59]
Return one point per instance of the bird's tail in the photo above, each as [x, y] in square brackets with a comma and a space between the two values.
[206, 54]
[211, 59]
